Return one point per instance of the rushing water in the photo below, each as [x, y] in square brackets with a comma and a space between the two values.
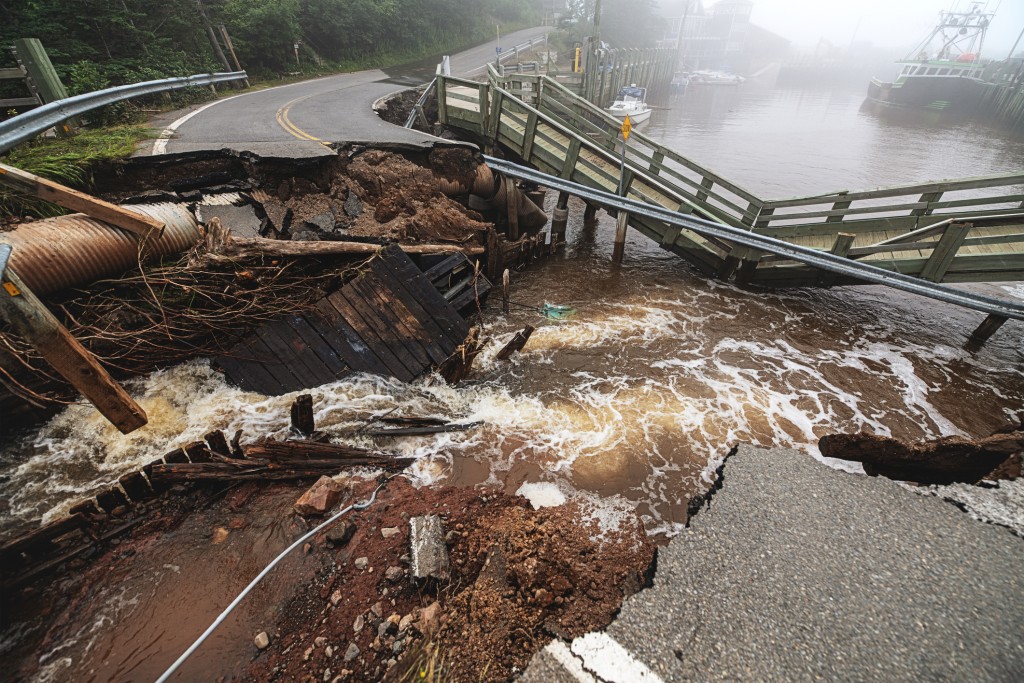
[641, 391]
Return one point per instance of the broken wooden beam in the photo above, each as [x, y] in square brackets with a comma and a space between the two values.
[517, 343]
[302, 415]
[24, 312]
[423, 430]
[29, 183]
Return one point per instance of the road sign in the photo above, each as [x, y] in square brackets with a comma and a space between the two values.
[627, 127]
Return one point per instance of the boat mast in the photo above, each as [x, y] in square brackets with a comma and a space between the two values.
[960, 33]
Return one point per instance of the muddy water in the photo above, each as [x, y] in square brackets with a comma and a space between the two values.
[636, 395]
[641, 390]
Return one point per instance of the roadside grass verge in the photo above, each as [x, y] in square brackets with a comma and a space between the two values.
[68, 161]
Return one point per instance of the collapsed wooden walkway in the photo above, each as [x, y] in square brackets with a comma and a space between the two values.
[952, 231]
[389, 320]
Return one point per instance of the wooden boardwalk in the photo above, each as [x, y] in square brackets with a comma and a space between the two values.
[969, 230]
[389, 320]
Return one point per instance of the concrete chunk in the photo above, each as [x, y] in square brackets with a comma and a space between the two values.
[429, 553]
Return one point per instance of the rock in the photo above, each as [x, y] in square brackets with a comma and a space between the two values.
[329, 651]
[242, 220]
[341, 533]
[321, 497]
[394, 574]
[362, 562]
[543, 597]
[320, 641]
[327, 675]
[357, 626]
[119, 511]
[336, 597]
[353, 205]
[390, 531]
[307, 654]
[938, 461]
[428, 551]
[376, 645]
[398, 646]
[352, 652]
[430, 618]
[262, 640]
[377, 609]
[220, 534]
[405, 623]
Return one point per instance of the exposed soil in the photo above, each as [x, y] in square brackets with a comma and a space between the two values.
[519, 577]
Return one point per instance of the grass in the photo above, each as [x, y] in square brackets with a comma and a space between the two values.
[68, 161]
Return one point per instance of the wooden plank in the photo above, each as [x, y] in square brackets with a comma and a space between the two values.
[430, 299]
[370, 337]
[284, 380]
[430, 327]
[382, 324]
[327, 355]
[943, 254]
[344, 341]
[416, 334]
[19, 102]
[979, 182]
[133, 222]
[293, 352]
[841, 247]
[17, 73]
[247, 375]
[378, 300]
[40, 328]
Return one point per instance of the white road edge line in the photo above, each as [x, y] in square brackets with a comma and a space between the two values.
[609, 661]
[160, 144]
[561, 653]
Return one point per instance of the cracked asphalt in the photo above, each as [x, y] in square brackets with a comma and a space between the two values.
[799, 572]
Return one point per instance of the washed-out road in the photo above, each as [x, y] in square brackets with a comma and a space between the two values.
[298, 119]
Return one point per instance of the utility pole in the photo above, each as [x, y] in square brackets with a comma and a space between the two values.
[214, 43]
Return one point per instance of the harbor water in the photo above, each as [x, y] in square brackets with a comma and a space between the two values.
[640, 392]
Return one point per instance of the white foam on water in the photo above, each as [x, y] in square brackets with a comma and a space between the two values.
[641, 400]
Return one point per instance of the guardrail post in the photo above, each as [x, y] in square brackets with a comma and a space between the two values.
[840, 247]
[442, 99]
[24, 312]
[926, 198]
[838, 206]
[945, 251]
[560, 218]
[986, 329]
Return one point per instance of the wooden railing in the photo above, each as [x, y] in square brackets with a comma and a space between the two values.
[564, 135]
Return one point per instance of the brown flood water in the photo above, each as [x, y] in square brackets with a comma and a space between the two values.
[636, 395]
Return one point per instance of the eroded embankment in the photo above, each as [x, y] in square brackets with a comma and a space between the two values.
[345, 605]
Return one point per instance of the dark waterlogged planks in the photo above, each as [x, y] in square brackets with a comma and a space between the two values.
[390, 320]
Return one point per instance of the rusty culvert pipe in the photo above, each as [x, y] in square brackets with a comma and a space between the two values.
[492, 188]
[70, 251]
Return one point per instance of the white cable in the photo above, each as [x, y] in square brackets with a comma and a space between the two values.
[259, 577]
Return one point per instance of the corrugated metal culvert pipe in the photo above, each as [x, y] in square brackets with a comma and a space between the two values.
[493, 189]
[54, 254]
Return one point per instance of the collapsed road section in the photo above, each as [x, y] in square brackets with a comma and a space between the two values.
[238, 243]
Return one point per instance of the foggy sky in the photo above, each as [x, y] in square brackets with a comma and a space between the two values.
[897, 24]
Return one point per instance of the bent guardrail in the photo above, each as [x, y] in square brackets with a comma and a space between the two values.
[24, 127]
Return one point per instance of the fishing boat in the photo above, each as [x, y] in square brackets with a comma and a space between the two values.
[715, 78]
[944, 71]
[632, 102]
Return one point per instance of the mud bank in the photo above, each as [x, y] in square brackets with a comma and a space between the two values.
[344, 606]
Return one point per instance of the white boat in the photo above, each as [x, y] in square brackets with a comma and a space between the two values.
[632, 102]
[715, 78]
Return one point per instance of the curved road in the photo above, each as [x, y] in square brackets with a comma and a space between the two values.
[295, 120]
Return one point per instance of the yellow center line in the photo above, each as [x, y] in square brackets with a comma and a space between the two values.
[291, 128]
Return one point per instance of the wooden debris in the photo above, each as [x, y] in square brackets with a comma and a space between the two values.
[516, 343]
[302, 415]
[457, 366]
[425, 429]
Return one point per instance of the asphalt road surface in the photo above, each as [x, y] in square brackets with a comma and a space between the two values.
[798, 572]
[296, 120]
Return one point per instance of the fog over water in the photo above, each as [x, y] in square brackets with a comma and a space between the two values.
[884, 23]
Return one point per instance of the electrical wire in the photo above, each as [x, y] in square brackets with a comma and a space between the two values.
[259, 577]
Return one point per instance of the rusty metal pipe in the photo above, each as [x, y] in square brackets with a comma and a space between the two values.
[54, 254]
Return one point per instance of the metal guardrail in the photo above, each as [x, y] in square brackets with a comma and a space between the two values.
[812, 257]
[24, 127]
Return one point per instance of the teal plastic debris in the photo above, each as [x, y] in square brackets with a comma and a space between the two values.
[556, 312]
